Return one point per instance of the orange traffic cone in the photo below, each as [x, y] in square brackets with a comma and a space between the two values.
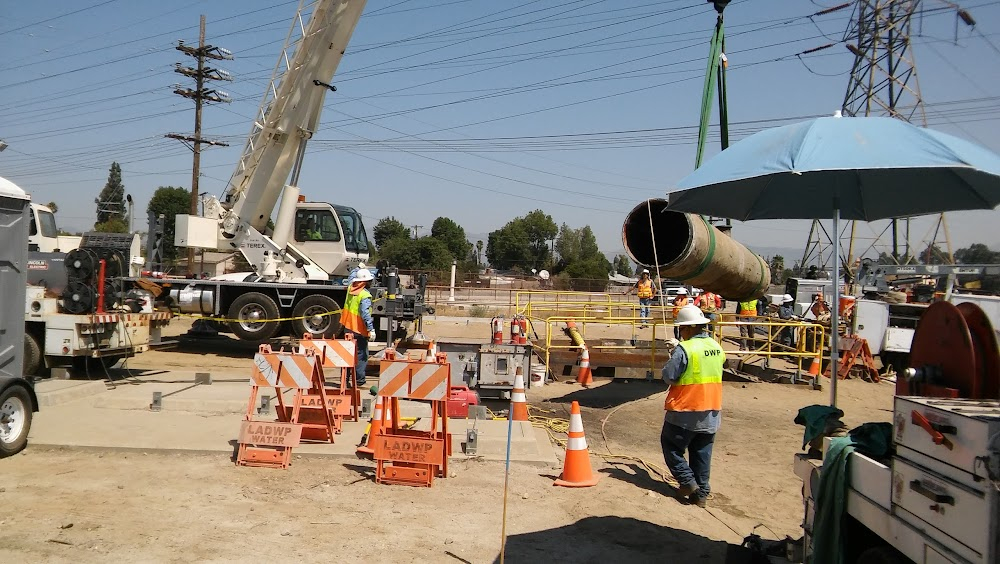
[374, 426]
[432, 352]
[814, 367]
[576, 469]
[518, 402]
[584, 377]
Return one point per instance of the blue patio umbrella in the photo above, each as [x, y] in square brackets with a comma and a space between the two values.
[852, 168]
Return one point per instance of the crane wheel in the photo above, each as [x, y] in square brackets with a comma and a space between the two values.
[320, 317]
[249, 314]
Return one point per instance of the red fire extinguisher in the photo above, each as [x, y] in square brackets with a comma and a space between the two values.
[515, 330]
[497, 324]
[522, 321]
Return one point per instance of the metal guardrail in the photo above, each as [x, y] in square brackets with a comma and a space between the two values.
[808, 338]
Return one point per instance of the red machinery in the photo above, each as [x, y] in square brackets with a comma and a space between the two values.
[954, 355]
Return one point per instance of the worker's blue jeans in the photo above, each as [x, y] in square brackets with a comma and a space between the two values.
[362, 357]
[676, 441]
[644, 304]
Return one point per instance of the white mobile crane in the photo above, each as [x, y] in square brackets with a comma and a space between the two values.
[297, 269]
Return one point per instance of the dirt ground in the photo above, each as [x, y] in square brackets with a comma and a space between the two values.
[65, 505]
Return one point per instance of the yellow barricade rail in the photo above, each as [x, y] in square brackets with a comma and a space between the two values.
[809, 338]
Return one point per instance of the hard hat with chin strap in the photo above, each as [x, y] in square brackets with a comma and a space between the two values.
[691, 315]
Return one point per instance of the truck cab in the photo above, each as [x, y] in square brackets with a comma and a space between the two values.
[43, 234]
[332, 236]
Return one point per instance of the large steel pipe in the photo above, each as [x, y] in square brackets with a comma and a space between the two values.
[689, 249]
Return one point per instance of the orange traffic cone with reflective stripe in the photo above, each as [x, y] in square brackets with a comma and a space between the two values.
[367, 447]
[518, 402]
[576, 469]
[584, 377]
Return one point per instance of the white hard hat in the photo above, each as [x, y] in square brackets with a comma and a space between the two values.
[691, 315]
[787, 298]
[645, 271]
[682, 292]
[363, 275]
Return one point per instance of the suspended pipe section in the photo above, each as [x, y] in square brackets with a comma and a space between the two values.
[687, 248]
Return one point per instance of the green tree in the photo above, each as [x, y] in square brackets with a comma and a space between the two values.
[425, 253]
[52, 206]
[169, 201]
[453, 237]
[568, 245]
[111, 201]
[479, 252]
[778, 269]
[540, 229]
[623, 266]
[977, 253]
[387, 229]
[113, 225]
[590, 274]
[933, 255]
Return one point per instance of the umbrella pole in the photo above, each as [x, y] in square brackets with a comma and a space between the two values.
[835, 310]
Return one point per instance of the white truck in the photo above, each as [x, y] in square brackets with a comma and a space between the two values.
[298, 280]
[63, 325]
[43, 234]
[934, 497]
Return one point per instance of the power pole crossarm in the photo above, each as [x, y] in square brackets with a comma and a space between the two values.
[200, 94]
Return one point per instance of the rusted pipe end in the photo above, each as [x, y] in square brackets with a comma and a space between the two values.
[670, 230]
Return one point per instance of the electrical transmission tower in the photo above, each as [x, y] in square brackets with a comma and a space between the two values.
[200, 94]
[883, 82]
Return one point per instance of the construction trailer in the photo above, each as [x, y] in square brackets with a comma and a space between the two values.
[17, 395]
[935, 497]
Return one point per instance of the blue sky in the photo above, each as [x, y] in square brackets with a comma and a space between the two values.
[479, 111]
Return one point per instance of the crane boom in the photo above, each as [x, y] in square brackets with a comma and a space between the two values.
[290, 110]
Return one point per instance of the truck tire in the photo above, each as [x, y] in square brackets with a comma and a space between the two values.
[32, 355]
[15, 419]
[321, 317]
[247, 311]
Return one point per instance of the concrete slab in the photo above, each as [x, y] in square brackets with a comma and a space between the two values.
[57, 392]
[206, 418]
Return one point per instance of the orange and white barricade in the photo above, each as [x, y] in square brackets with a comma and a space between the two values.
[342, 399]
[269, 443]
[407, 456]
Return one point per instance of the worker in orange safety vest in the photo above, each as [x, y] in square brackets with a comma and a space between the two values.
[356, 317]
[645, 290]
[693, 408]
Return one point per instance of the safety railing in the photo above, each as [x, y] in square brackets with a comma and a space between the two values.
[759, 337]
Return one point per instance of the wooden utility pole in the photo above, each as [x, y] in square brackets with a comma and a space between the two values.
[201, 73]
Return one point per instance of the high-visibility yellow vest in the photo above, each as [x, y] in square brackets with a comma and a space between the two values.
[645, 289]
[748, 307]
[700, 386]
[350, 316]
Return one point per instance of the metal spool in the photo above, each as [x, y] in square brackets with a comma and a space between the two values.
[112, 293]
[79, 298]
[81, 264]
[959, 345]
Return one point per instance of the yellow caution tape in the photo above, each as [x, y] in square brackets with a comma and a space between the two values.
[278, 320]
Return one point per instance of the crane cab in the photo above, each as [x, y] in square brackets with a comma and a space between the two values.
[332, 236]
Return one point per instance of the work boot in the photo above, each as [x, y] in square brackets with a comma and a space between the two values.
[695, 499]
[687, 490]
